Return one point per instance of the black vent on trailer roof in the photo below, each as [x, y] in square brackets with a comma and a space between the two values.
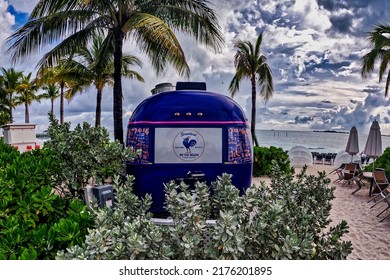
[190, 85]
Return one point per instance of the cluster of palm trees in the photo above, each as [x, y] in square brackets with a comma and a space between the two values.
[16, 88]
[150, 24]
[69, 76]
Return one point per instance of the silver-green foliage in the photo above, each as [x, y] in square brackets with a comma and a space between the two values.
[83, 153]
[289, 219]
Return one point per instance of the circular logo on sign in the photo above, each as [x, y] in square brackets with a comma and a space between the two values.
[188, 145]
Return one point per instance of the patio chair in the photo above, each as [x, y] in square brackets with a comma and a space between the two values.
[350, 174]
[339, 172]
[328, 159]
[387, 200]
[380, 186]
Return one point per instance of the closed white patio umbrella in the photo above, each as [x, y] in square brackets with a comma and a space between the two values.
[373, 147]
[353, 143]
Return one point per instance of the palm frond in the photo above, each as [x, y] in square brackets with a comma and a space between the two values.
[257, 50]
[195, 18]
[265, 81]
[68, 46]
[158, 41]
[368, 63]
[234, 85]
[387, 84]
[45, 7]
[49, 30]
[385, 59]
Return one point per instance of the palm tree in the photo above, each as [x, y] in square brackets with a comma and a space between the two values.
[26, 94]
[51, 92]
[250, 63]
[97, 67]
[11, 79]
[380, 41]
[150, 24]
[4, 112]
[63, 74]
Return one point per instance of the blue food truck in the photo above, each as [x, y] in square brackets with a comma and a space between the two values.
[188, 133]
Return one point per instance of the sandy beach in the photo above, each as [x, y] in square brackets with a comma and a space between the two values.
[370, 238]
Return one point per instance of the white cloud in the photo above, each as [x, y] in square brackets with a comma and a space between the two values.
[6, 22]
[312, 16]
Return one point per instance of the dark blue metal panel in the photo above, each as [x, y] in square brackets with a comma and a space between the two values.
[188, 106]
[151, 178]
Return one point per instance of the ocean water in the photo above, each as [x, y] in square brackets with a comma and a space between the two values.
[323, 142]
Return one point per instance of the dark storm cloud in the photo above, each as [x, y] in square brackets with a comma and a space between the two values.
[342, 23]
[319, 60]
[365, 14]
[303, 119]
[335, 5]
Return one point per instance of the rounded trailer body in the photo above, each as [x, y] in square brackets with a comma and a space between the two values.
[191, 135]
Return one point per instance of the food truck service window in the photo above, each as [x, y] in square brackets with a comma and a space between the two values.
[188, 145]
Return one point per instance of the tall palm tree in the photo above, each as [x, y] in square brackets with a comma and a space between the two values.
[149, 23]
[51, 92]
[97, 67]
[4, 112]
[379, 38]
[27, 94]
[11, 80]
[251, 64]
[65, 76]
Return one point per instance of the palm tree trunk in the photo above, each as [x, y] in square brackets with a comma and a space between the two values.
[62, 104]
[253, 115]
[26, 113]
[117, 95]
[52, 107]
[98, 107]
[11, 116]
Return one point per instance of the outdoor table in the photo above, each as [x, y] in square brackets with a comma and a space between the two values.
[368, 175]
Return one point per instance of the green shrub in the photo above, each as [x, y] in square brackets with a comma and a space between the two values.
[33, 219]
[263, 160]
[81, 154]
[287, 220]
[381, 162]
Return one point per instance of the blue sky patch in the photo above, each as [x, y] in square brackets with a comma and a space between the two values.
[20, 17]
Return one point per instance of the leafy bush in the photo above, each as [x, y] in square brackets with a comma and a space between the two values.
[381, 162]
[287, 220]
[263, 158]
[35, 222]
[81, 154]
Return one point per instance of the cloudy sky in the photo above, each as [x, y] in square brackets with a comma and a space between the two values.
[313, 47]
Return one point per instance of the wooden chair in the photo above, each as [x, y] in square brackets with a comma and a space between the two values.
[350, 174]
[339, 172]
[380, 184]
[386, 198]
